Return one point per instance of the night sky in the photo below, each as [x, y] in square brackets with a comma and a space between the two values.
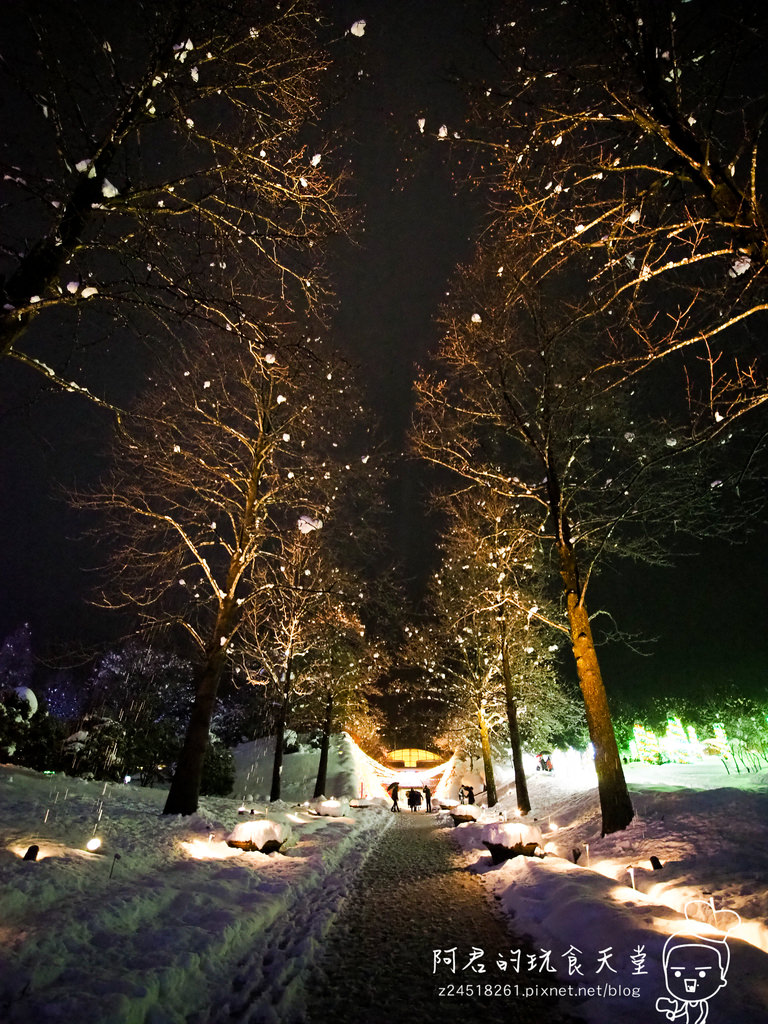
[708, 613]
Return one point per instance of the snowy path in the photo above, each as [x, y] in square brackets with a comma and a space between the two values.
[412, 897]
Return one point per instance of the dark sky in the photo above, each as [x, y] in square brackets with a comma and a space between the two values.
[708, 613]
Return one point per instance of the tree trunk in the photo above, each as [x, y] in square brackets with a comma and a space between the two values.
[322, 768]
[282, 719]
[277, 763]
[490, 782]
[521, 783]
[185, 787]
[615, 802]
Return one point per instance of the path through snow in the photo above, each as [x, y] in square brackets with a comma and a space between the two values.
[414, 895]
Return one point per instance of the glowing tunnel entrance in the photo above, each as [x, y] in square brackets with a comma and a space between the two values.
[411, 767]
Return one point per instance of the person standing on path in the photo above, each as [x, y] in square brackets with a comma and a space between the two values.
[394, 792]
[428, 799]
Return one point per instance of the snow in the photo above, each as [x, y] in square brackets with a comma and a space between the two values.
[27, 695]
[255, 833]
[707, 828]
[167, 923]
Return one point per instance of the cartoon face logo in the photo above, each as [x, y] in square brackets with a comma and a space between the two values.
[695, 965]
[695, 971]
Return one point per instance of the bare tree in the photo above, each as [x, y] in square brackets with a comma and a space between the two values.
[300, 595]
[347, 673]
[482, 599]
[526, 399]
[227, 443]
[624, 139]
[304, 639]
[489, 570]
[459, 674]
[158, 173]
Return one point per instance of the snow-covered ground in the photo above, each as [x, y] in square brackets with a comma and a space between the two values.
[708, 831]
[168, 924]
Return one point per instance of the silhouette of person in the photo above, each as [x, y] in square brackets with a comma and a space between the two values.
[394, 792]
[428, 799]
[470, 790]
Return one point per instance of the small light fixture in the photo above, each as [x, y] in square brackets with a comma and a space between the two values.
[93, 844]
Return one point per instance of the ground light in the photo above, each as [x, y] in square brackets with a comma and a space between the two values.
[93, 844]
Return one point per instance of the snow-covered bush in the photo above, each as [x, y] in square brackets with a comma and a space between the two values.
[15, 715]
[96, 750]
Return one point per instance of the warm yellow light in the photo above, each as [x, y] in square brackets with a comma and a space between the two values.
[209, 850]
[93, 844]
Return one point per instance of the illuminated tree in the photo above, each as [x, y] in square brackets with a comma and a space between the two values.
[459, 674]
[304, 640]
[482, 598]
[158, 173]
[525, 399]
[226, 447]
[346, 675]
[624, 140]
[602, 334]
